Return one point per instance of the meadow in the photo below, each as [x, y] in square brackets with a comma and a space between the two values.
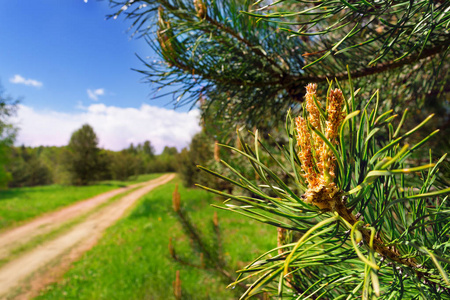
[132, 260]
[21, 204]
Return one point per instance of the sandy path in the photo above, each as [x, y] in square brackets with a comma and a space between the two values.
[16, 271]
[14, 238]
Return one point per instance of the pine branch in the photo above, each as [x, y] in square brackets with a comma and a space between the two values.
[392, 64]
[262, 68]
[340, 156]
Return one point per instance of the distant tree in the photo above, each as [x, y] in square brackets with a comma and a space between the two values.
[7, 134]
[169, 159]
[169, 151]
[84, 156]
[27, 168]
[200, 152]
[139, 148]
[145, 156]
[104, 165]
[131, 149]
[124, 164]
[148, 149]
[165, 162]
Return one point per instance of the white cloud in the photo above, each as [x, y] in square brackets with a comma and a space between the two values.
[17, 79]
[93, 94]
[116, 127]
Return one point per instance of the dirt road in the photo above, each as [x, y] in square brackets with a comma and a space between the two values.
[80, 237]
[16, 237]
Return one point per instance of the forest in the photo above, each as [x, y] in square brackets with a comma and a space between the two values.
[81, 162]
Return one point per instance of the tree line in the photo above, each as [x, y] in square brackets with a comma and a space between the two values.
[82, 162]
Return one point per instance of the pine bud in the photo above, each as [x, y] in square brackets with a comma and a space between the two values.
[216, 151]
[216, 220]
[176, 199]
[177, 286]
[202, 260]
[200, 8]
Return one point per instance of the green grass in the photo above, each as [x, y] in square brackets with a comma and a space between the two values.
[132, 260]
[133, 179]
[20, 204]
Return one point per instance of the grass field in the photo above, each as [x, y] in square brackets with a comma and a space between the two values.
[132, 180]
[132, 261]
[20, 204]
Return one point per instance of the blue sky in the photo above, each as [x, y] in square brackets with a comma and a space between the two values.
[62, 56]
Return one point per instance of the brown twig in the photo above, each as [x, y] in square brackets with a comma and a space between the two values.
[379, 246]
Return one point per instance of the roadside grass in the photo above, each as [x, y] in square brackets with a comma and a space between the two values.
[132, 260]
[20, 204]
[132, 179]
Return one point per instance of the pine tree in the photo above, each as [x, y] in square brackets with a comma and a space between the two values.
[357, 216]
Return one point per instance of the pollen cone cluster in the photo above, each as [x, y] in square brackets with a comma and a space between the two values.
[318, 161]
[200, 8]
